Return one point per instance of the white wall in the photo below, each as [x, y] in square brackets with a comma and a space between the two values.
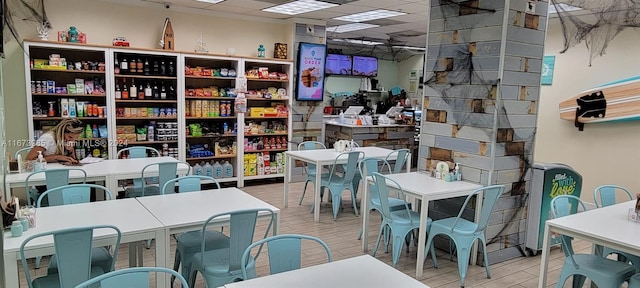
[102, 21]
[606, 153]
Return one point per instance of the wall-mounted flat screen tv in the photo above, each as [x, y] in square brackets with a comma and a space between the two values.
[365, 66]
[338, 64]
[310, 78]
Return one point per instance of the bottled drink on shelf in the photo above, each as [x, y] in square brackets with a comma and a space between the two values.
[172, 92]
[124, 65]
[171, 68]
[125, 90]
[148, 92]
[133, 91]
[140, 92]
[156, 67]
[146, 68]
[133, 66]
[116, 64]
[156, 91]
[163, 92]
[118, 92]
[163, 68]
[140, 66]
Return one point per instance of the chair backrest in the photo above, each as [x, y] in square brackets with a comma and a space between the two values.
[350, 168]
[367, 167]
[21, 151]
[71, 194]
[53, 178]
[310, 145]
[563, 205]
[381, 183]
[130, 277]
[73, 250]
[285, 252]
[605, 195]
[491, 195]
[166, 171]
[241, 232]
[188, 183]
[401, 156]
[139, 152]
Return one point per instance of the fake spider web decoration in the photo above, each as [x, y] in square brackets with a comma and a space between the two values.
[595, 22]
[28, 11]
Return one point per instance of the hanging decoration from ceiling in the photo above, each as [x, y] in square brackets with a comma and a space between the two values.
[29, 11]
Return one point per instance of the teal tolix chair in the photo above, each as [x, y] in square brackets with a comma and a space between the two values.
[130, 277]
[347, 181]
[401, 157]
[603, 272]
[464, 233]
[310, 169]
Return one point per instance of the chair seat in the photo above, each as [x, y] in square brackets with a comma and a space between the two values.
[394, 204]
[462, 227]
[216, 262]
[52, 280]
[601, 268]
[132, 192]
[100, 257]
[335, 179]
[635, 260]
[191, 241]
[400, 217]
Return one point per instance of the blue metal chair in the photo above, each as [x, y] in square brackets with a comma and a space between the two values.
[634, 281]
[370, 166]
[166, 171]
[130, 277]
[603, 196]
[401, 157]
[53, 178]
[73, 248]
[337, 184]
[221, 265]
[603, 272]
[401, 223]
[75, 194]
[464, 233]
[188, 243]
[138, 152]
[310, 169]
[20, 155]
[285, 253]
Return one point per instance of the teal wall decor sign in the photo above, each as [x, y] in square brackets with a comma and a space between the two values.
[548, 63]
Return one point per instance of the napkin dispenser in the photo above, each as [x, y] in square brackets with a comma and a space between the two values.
[343, 146]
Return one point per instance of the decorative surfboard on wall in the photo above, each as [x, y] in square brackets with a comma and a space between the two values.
[167, 40]
[611, 102]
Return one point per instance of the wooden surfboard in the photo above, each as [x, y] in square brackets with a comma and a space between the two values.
[167, 41]
[610, 102]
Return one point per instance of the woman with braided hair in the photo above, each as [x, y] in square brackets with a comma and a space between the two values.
[58, 144]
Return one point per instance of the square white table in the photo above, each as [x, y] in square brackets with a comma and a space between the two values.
[134, 221]
[323, 157]
[420, 186]
[108, 171]
[182, 212]
[361, 271]
[606, 226]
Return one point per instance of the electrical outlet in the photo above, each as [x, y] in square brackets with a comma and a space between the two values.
[311, 30]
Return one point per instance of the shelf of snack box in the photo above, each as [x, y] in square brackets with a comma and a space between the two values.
[47, 118]
[145, 76]
[266, 117]
[266, 176]
[209, 77]
[209, 98]
[265, 134]
[208, 118]
[225, 156]
[211, 136]
[63, 69]
[267, 99]
[67, 95]
[147, 101]
[268, 80]
[147, 118]
[266, 150]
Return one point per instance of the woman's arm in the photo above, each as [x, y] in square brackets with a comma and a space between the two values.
[33, 155]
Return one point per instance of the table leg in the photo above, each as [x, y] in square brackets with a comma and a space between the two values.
[287, 179]
[422, 237]
[12, 278]
[365, 213]
[316, 194]
[276, 224]
[544, 261]
[162, 256]
[409, 163]
[112, 184]
[7, 190]
[133, 254]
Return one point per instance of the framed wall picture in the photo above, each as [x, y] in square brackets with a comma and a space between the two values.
[548, 63]
[413, 86]
[310, 77]
[413, 74]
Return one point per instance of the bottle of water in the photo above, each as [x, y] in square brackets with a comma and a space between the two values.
[217, 170]
[208, 169]
[228, 169]
[197, 169]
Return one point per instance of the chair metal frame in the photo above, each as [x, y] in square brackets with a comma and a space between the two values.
[133, 277]
[349, 183]
[73, 191]
[309, 168]
[187, 183]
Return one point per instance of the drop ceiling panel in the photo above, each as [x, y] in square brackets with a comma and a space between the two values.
[228, 9]
[249, 4]
[377, 4]
[348, 9]
[321, 14]
[182, 3]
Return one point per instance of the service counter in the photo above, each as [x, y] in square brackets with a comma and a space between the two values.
[391, 136]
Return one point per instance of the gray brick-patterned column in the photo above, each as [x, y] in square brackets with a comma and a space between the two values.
[307, 116]
[483, 66]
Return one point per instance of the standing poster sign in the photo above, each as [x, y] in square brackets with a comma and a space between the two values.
[310, 79]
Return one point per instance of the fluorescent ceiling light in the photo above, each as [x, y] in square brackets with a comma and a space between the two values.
[299, 7]
[563, 7]
[210, 1]
[355, 41]
[370, 15]
[350, 27]
[410, 48]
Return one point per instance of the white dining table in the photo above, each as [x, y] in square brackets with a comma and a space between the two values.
[107, 171]
[360, 271]
[420, 186]
[134, 221]
[182, 212]
[324, 157]
[607, 226]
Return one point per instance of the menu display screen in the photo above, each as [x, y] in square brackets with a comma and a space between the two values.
[365, 66]
[310, 78]
[338, 64]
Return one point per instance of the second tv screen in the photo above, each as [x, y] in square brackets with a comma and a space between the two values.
[365, 66]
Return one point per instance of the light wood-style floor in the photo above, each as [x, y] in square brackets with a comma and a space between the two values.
[341, 237]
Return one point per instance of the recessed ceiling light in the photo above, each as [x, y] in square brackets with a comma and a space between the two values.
[370, 15]
[210, 1]
[355, 41]
[299, 7]
[350, 27]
